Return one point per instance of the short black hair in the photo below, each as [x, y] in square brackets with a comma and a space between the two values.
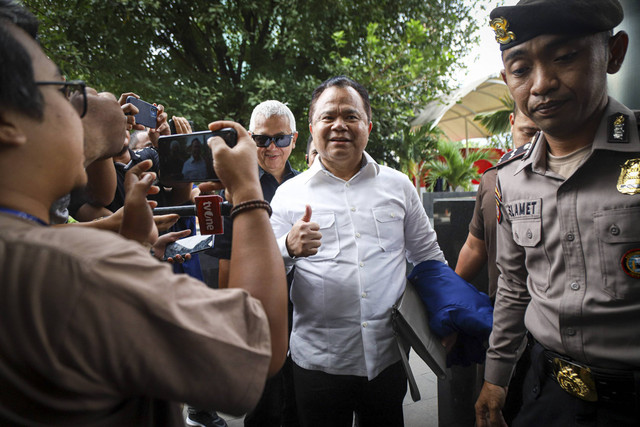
[340, 81]
[18, 90]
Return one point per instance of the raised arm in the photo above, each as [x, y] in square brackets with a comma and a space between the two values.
[256, 264]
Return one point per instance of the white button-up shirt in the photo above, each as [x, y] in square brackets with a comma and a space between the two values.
[343, 295]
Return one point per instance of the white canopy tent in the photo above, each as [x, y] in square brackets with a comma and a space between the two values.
[454, 114]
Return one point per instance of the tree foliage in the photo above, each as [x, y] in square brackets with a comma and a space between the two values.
[213, 59]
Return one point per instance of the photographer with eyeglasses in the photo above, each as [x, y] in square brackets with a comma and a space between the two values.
[95, 331]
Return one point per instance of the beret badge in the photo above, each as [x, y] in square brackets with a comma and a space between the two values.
[500, 27]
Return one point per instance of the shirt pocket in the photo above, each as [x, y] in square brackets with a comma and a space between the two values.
[389, 222]
[618, 232]
[528, 234]
[330, 242]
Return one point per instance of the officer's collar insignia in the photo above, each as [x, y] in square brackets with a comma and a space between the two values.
[501, 26]
[631, 263]
[618, 128]
[629, 181]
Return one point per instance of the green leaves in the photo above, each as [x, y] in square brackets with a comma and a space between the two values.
[212, 59]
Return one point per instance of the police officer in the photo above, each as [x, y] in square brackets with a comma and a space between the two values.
[568, 233]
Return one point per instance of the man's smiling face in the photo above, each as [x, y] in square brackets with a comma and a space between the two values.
[273, 159]
[340, 128]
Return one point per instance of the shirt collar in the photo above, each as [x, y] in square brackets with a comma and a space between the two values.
[536, 157]
[367, 164]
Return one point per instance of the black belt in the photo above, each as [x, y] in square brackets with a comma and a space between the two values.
[589, 383]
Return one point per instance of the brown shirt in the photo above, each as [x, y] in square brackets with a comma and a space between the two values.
[483, 225]
[96, 332]
[566, 251]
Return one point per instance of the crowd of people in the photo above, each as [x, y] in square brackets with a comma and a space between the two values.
[98, 329]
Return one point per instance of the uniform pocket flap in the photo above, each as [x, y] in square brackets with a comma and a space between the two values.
[618, 225]
[526, 233]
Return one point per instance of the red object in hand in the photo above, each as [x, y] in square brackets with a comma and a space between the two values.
[209, 215]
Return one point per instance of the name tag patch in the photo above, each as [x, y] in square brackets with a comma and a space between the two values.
[522, 209]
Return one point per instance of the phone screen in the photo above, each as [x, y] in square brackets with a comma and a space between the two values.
[188, 245]
[187, 157]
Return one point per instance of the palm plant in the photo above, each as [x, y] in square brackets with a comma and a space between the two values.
[454, 167]
[498, 124]
[416, 145]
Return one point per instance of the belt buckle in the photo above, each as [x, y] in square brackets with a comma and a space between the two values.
[575, 379]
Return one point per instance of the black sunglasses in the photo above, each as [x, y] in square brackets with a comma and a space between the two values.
[70, 88]
[266, 140]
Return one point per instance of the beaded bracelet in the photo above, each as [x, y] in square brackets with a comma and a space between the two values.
[249, 205]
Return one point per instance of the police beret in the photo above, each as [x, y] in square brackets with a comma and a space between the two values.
[530, 18]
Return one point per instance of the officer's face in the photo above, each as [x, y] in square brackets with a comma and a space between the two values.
[522, 129]
[559, 81]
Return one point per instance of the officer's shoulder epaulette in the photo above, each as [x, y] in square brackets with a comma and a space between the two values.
[519, 153]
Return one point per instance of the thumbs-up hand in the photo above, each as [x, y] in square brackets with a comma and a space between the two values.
[304, 238]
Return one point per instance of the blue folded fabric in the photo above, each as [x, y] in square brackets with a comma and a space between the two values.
[454, 306]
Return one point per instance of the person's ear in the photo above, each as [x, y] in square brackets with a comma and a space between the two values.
[503, 75]
[293, 141]
[370, 127]
[10, 131]
[512, 118]
[618, 45]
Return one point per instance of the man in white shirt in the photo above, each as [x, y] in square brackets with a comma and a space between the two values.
[349, 225]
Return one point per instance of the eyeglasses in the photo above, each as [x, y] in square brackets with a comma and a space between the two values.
[265, 141]
[70, 89]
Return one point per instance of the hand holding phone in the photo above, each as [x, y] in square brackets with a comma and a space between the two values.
[187, 157]
[147, 113]
[188, 245]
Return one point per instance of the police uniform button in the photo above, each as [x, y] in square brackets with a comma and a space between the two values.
[529, 234]
[614, 230]
[571, 332]
[570, 237]
[575, 286]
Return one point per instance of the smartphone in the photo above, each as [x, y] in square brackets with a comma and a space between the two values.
[147, 113]
[172, 126]
[188, 245]
[187, 157]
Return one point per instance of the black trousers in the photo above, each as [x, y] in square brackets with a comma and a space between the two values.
[331, 400]
[545, 403]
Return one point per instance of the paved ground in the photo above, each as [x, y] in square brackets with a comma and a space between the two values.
[423, 413]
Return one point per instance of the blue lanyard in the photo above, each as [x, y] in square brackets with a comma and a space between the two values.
[23, 215]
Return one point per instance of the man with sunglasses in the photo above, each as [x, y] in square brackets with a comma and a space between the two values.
[273, 128]
[95, 331]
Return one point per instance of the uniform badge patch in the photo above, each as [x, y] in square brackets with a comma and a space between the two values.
[618, 128]
[631, 263]
[498, 202]
[501, 26]
[629, 180]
